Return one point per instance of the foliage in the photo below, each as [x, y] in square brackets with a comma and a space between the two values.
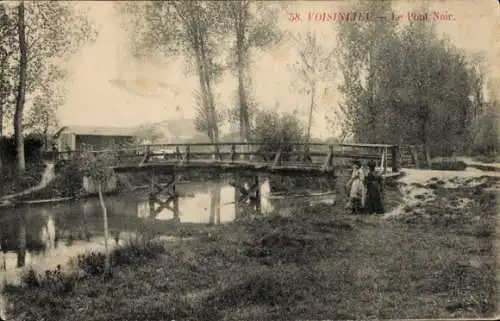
[383, 103]
[32, 148]
[277, 131]
[486, 133]
[68, 181]
[132, 253]
[206, 33]
[191, 28]
[7, 67]
[149, 133]
[250, 25]
[313, 68]
[47, 33]
[97, 166]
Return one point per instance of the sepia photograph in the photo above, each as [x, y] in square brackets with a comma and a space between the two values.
[249, 160]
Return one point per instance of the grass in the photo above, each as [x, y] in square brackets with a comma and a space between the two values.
[316, 264]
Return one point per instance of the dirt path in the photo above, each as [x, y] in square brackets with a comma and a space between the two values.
[415, 184]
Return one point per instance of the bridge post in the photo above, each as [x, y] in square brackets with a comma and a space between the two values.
[151, 197]
[178, 153]
[176, 204]
[233, 152]
[257, 194]
[385, 159]
[237, 196]
[188, 153]
[395, 158]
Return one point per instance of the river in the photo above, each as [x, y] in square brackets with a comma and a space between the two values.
[51, 233]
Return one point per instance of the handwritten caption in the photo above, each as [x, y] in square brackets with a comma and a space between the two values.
[297, 17]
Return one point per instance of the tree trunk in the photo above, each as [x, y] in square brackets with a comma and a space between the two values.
[242, 95]
[309, 122]
[425, 141]
[244, 121]
[107, 263]
[203, 88]
[210, 98]
[21, 91]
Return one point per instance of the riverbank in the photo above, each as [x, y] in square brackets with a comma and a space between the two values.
[317, 263]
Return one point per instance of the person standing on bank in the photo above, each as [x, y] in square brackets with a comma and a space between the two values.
[374, 191]
[356, 188]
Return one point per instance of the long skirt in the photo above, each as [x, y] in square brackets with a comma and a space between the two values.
[356, 196]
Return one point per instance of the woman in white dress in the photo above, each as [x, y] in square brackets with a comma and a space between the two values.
[356, 188]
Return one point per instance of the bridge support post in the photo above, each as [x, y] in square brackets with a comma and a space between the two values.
[242, 193]
[257, 194]
[237, 196]
[395, 158]
[172, 196]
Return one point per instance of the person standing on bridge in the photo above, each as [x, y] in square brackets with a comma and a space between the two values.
[374, 191]
[356, 188]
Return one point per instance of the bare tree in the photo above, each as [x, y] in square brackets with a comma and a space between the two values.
[314, 67]
[98, 169]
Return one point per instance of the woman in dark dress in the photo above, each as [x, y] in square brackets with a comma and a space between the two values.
[374, 191]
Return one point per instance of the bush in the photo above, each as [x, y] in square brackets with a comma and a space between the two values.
[486, 135]
[33, 145]
[133, 253]
[53, 280]
[69, 179]
[446, 164]
[277, 131]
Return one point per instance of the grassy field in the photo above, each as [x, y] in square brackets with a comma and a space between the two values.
[434, 260]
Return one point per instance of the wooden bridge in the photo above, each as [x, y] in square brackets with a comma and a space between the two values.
[245, 160]
[289, 157]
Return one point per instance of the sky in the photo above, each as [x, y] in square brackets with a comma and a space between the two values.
[95, 99]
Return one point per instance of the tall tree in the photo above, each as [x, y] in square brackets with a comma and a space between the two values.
[405, 85]
[8, 49]
[8, 43]
[252, 25]
[313, 68]
[178, 27]
[21, 88]
[46, 31]
[362, 53]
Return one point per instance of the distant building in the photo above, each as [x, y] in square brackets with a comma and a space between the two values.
[80, 137]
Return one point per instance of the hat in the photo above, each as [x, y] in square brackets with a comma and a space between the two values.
[356, 162]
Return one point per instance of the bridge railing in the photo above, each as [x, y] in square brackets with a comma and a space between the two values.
[313, 154]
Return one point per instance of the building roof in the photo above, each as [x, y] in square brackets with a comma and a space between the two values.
[98, 131]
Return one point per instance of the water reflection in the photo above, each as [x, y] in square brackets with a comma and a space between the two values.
[38, 234]
[45, 230]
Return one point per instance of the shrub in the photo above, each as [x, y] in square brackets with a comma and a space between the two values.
[446, 164]
[53, 280]
[277, 131]
[486, 135]
[32, 149]
[132, 253]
